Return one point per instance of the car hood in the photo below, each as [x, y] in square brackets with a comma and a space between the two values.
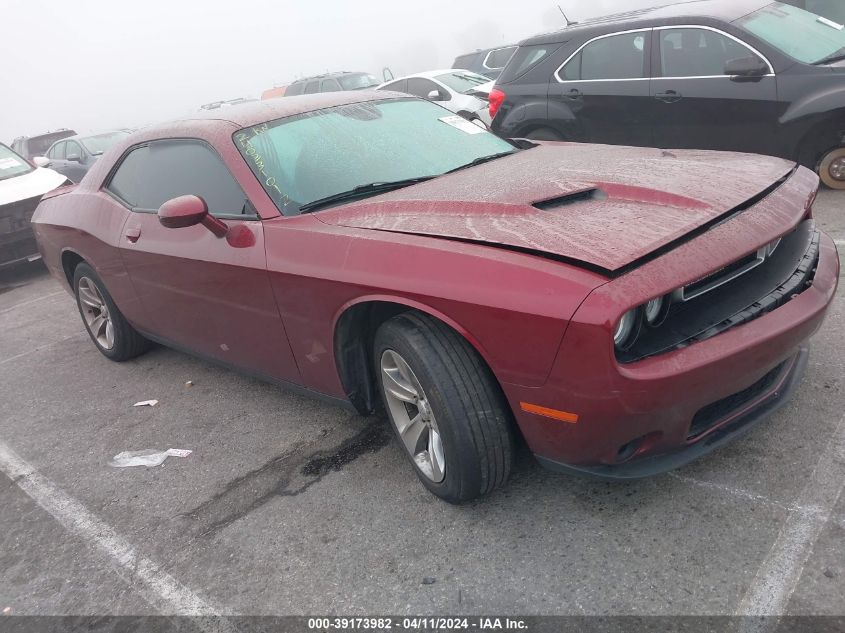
[602, 206]
[35, 183]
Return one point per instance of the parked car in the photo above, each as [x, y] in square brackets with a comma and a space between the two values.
[74, 155]
[274, 93]
[21, 187]
[488, 62]
[461, 91]
[742, 75]
[830, 9]
[332, 82]
[31, 146]
[226, 103]
[624, 310]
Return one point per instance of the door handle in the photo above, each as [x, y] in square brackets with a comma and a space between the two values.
[132, 234]
[574, 94]
[670, 96]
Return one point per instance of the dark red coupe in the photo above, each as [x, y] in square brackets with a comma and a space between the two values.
[623, 311]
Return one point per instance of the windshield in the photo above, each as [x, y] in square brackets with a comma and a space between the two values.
[802, 35]
[312, 156]
[462, 82]
[11, 164]
[101, 142]
[358, 82]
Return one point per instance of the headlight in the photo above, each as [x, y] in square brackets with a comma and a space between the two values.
[627, 330]
[654, 311]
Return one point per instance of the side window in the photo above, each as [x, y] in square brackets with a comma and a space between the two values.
[330, 85]
[499, 58]
[127, 180]
[72, 149]
[58, 151]
[420, 87]
[616, 57]
[698, 52]
[294, 89]
[311, 87]
[151, 175]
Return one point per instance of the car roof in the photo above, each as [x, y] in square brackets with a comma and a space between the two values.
[431, 74]
[77, 137]
[257, 112]
[724, 10]
[340, 73]
[37, 136]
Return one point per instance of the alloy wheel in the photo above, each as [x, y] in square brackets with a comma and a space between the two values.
[411, 414]
[95, 313]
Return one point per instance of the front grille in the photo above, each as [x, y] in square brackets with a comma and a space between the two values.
[16, 216]
[17, 240]
[714, 413]
[779, 278]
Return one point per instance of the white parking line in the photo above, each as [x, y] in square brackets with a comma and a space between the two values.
[778, 576]
[38, 349]
[743, 494]
[37, 299]
[159, 588]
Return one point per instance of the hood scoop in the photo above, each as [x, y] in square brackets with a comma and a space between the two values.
[582, 195]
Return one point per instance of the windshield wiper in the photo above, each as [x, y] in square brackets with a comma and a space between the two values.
[838, 56]
[482, 160]
[362, 191]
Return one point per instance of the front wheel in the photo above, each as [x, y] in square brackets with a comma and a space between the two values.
[108, 328]
[832, 169]
[445, 406]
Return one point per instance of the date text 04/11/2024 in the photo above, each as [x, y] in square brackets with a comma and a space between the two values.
[416, 624]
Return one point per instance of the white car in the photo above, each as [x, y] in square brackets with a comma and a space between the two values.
[461, 91]
[21, 186]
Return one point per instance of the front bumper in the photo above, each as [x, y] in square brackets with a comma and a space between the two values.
[644, 418]
[17, 239]
[737, 424]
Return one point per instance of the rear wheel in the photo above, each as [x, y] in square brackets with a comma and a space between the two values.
[108, 328]
[832, 169]
[445, 406]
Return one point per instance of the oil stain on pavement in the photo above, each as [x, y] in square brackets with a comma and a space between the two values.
[287, 475]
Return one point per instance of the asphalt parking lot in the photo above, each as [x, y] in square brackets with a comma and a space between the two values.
[292, 506]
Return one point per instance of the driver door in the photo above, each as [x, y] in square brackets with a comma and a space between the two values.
[209, 295]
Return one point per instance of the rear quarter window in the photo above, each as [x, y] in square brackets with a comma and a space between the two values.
[499, 58]
[526, 58]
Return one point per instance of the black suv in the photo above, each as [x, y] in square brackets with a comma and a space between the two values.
[332, 82]
[741, 75]
[31, 146]
[488, 62]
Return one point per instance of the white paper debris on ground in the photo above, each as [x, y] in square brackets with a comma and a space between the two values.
[189, 383]
[147, 457]
[146, 403]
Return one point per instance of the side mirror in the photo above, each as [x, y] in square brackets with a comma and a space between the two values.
[41, 161]
[73, 157]
[185, 211]
[746, 67]
[434, 95]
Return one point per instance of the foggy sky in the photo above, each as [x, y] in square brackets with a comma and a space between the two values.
[97, 64]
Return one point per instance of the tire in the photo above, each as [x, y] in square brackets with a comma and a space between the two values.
[831, 169]
[113, 336]
[543, 134]
[459, 403]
